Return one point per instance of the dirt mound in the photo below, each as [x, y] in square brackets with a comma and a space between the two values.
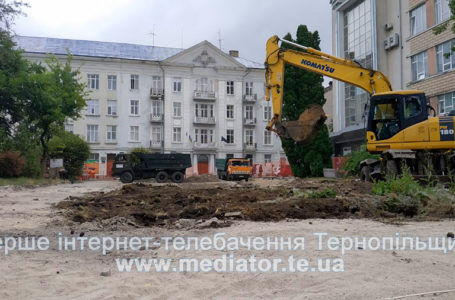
[148, 205]
[203, 178]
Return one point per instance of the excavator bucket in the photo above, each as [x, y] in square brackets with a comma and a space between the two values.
[305, 128]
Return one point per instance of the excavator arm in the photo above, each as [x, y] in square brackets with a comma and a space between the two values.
[318, 62]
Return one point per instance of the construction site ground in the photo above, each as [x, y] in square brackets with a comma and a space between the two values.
[202, 207]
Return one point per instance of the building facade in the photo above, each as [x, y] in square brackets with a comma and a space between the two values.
[199, 100]
[396, 38]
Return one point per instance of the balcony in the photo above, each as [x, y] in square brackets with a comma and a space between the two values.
[156, 118]
[156, 94]
[156, 144]
[205, 120]
[250, 98]
[204, 95]
[204, 146]
[249, 121]
[250, 146]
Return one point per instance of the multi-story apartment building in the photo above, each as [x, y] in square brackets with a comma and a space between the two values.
[198, 100]
[396, 38]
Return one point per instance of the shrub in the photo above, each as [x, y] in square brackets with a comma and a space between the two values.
[11, 164]
[74, 151]
[352, 164]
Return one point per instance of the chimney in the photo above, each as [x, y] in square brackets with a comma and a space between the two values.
[234, 53]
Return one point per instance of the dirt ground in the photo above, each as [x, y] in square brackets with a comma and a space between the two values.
[261, 207]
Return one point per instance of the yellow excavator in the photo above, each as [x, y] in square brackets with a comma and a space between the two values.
[399, 125]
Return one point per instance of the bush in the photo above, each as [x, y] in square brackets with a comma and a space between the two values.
[74, 151]
[352, 164]
[141, 150]
[11, 164]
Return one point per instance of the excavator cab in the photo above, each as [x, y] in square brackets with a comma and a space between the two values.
[391, 113]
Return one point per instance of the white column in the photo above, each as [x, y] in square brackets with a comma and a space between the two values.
[195, 171]
[212, 164]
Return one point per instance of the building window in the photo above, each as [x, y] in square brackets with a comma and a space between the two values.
[112, 82]
[69, 128]
[157, 87]
[134, 82]
[358, 45]
[93, 107]
[267, 113]
[267, 158]
[202, 85]
[441, 11]
[249, 112]
[203, 136]
[204, 110]
[230, 87]
[111, 133]
[177, 109]
[156, 134]
[249, 88]
[177, 85]
[134, 107]
[230, 136]
[419, 66]
[134, 133]
[418, 20]
[445, 57]
[156, 108]
[92, 133]
[94, 156]
[112, 107]
[229, 111]
[93, 81]
[446, 103]
[249, 137]
[177, 135]
[267, 137]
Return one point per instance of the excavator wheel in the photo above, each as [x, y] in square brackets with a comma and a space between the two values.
[305, 128]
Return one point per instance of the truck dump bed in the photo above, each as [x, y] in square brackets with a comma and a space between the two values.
[164, 161]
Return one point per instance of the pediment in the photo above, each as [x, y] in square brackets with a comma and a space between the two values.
[204, 55]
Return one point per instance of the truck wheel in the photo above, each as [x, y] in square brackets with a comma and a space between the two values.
[365, 174]
[126, 177]
[161, 177]
[177, 177]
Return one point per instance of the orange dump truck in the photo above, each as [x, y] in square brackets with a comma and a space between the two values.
[233, 168]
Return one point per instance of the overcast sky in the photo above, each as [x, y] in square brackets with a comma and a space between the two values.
[244, 25]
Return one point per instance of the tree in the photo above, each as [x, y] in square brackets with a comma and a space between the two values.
[301, 90]
[74, 151]
[8, 11]
[52, 94]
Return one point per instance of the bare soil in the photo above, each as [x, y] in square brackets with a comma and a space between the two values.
[147, 205]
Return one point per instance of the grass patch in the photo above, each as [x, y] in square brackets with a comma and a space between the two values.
[405, 196]
[26, 181]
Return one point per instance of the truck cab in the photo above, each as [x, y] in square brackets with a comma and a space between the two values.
[233, 168]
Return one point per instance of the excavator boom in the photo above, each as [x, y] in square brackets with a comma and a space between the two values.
[313, 60]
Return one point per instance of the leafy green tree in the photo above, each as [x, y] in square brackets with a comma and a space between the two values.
[301, 90]
[74, 151]
[53, 94]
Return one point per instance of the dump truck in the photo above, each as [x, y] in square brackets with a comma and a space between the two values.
[402, 126]
[129, 167]
[233, 168]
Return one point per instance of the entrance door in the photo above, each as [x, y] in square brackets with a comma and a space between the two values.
[109, 164]
[203, 164]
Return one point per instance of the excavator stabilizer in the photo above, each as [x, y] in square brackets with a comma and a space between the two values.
[305, 128]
